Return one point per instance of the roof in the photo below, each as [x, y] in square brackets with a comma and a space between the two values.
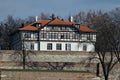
[29, 28]
[43, 22]
[61, 22]
[47, 22]
[86, 29]
[55, 22]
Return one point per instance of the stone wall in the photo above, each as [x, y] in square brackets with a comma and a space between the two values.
[48, 56]
[77, 60]
[39, 60]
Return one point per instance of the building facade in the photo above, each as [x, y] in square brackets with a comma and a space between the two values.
[54, 35]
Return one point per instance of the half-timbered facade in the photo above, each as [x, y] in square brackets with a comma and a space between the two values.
[54, 35]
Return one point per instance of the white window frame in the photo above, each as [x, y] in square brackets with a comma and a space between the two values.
[49, 46]
[68, 47]
[58, 46]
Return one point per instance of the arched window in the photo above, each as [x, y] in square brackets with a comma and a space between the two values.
[84, 47]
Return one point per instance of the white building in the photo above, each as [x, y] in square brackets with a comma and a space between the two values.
[54, 35]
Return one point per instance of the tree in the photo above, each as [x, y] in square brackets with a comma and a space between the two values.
[57, 65]
[44, 16]
[29, 20]
[8, 26]
[89, 19]
[80, 18]
[24, 58]
[108, 44]
[115, 15]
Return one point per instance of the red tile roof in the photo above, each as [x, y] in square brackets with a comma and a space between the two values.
[86, 29]
[55, 22]
[61, 22]
[47, 22]
[43, 22]
[29, 28]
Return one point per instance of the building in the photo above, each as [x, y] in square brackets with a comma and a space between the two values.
[54, 35]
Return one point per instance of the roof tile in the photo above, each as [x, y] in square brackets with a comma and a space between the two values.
[43, 22]
[29, 28]
[86, 29]
[55, 22]
[61, 22]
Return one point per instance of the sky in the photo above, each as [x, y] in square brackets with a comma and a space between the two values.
[25, 8]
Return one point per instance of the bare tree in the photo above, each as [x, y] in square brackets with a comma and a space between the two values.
[107, 46]
[8, 26]
[24, 58]
[57, 65]
[80, 18]
[115, 15]
[44, 16]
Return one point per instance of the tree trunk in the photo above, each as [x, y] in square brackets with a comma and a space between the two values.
[24, 57]
[24, 60]
[106, 77]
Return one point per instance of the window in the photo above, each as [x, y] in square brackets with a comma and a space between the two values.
[94, 37]
[58, 47]
[49, 36]
[62, 37]
[27, 35]
[84, 37]
[84, 47]
[32, 46]
[67, 36]
[77, 36]
[55, 35]
[49, 46]
[63, 27]
[53, 28]
[52, 36]
[36, 35]
[68, 47]
[43, 35]
[38, 25]
[89, 37]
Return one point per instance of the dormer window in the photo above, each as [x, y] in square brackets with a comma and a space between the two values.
[77, 26]
[38, 25]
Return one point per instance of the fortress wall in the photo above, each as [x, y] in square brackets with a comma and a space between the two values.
[48, 56]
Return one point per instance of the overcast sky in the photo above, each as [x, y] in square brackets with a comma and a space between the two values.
[25, 8]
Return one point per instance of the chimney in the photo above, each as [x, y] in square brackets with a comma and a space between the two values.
[71, 18]
[36, 18]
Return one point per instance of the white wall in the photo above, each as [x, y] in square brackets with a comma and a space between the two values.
[28, 45]
[90, 47]
[75, 46]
